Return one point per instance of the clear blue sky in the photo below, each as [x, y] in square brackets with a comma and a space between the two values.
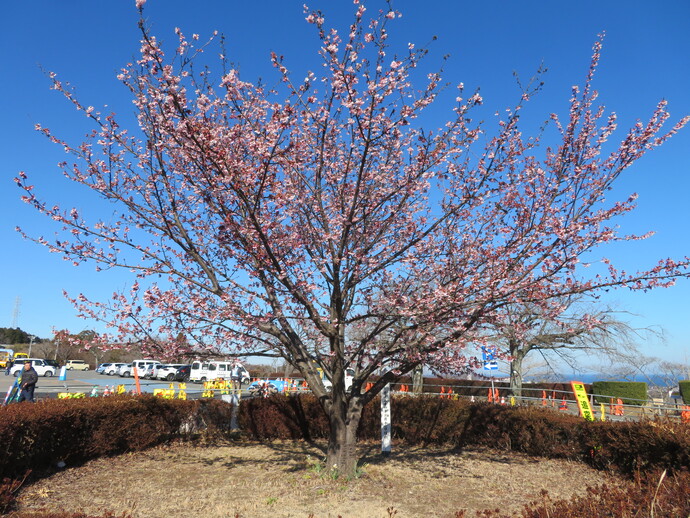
[646, 57]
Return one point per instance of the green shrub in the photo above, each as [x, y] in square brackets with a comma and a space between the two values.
[631, 392]
[684, 388]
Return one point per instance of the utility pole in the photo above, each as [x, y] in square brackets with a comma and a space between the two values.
[31, 342]
[15, 313]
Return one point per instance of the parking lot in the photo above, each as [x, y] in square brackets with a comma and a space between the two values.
[85, 381]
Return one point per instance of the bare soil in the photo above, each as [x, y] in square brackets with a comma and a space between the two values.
[283, 479]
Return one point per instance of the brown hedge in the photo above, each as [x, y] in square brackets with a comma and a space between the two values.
[37, 436]
[625, 446]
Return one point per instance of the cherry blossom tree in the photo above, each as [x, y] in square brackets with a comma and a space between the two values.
[319, 222]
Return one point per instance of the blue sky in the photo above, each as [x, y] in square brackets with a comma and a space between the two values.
[646, 57]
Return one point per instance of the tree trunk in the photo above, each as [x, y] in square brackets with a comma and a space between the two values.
[342, 444]
[516, 376]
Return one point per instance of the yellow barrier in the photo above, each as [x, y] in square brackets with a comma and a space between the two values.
[164, 393]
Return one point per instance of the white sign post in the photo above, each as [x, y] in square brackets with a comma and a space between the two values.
[234, 400]
[386, 420]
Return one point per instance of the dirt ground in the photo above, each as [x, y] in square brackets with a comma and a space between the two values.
[284, 480]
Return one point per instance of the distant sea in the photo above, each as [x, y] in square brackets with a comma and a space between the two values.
[654, 379]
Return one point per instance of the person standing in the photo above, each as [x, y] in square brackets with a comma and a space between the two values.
[9, 366]
[27, 383]
[237, 375]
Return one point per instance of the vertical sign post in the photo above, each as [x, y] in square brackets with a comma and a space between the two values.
[386, 420]
[135, 371]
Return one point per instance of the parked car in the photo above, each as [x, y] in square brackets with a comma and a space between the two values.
[40, 366]
[112, 369]
[124, 370]
[167, 371]
[77, 365]
[148, 370]
[102, 367]
[144, 368]
[182, 374]
[53, 363]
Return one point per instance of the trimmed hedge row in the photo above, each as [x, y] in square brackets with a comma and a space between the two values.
[684, 389]
[631, 392]
[37, 436]
[625, 446]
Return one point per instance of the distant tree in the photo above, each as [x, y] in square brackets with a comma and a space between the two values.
[45, 349]
[284, 222]
[560, 332]
[14, 336]
[68, 346]
[660, 375]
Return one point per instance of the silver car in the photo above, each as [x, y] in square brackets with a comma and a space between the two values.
[112, 369]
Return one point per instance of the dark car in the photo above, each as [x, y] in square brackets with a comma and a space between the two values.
[182, 373]
[53, 363]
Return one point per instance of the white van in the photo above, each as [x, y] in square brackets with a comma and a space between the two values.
[142, 366]
[212, 369]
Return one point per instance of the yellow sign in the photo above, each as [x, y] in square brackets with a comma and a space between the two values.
[164, 393]
[70, 395]
[582, 401]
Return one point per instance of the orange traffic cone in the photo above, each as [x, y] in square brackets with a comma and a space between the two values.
[543, 398]
[564, 405]
[490, 397]
[619, 406]
[685, 414]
